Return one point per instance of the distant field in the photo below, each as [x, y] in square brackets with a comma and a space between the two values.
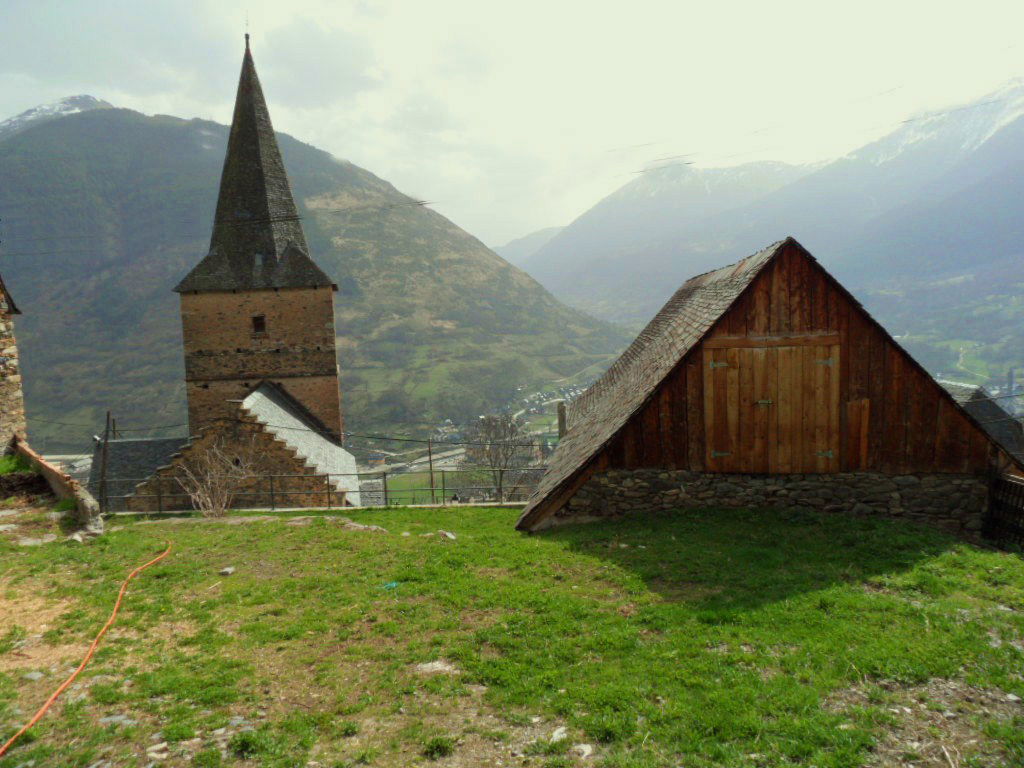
[712, 638]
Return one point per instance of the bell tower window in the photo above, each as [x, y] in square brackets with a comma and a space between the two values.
[259, 324]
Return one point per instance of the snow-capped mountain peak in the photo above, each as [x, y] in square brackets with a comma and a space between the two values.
[957, 130]
[67, 106]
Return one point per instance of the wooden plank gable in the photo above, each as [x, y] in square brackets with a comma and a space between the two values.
[846, 396]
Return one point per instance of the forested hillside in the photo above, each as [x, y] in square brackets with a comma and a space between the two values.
[104, 211]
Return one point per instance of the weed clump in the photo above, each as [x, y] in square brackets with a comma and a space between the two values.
[438, 746]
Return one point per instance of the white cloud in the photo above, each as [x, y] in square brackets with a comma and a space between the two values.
[505, 113]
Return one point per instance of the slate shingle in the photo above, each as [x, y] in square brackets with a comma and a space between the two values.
[257, 240]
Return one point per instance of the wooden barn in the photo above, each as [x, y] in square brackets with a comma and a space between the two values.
[765, 383]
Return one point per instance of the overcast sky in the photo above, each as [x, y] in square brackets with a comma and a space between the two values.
[514, 116]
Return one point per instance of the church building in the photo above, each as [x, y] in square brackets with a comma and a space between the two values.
[257, 319]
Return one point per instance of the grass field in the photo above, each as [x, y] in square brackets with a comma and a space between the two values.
[714, 638]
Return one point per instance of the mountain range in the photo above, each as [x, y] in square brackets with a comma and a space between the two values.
[934, 203]
[103, 210]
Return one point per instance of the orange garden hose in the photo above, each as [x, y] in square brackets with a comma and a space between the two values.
[92, 649]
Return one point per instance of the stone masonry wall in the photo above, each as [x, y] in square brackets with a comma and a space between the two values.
[296, 484]
[225, 358]
[955, 503]
[12, 402]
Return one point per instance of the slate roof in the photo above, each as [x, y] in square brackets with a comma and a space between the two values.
[992, 417]
[257, 240]
[288, 420]
[602, 410]
[129, 462]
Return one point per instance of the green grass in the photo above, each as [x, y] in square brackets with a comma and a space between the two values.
[698, 640]
[14, 463]
[414, 487]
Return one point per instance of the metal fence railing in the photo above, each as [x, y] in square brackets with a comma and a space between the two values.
[322, 491]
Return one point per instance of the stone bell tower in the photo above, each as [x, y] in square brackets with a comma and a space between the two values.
[257, 308]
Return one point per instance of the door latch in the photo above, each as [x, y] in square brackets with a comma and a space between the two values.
[825, 454]
[765, 402]
[720, 454]
[829, 362]
[716, 364]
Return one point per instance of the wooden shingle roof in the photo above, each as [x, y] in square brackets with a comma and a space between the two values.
[602, 410]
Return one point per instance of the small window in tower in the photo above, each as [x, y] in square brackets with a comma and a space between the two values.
[259, 323]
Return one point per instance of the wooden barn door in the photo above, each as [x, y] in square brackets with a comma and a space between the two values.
[772, 409]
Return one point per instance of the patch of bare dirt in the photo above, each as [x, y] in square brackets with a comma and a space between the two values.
[22, 605]
[936, 725]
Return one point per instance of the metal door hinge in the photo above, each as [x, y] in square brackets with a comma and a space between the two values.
[825, 454]
[719, 454]
[765, 402]
[830, 362]
[715, 364]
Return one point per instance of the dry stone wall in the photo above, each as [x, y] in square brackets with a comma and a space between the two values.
[955, 503]
[12, 402]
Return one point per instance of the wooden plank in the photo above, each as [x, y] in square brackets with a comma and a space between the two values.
[979, 459]
[771, 384]
[651, 434]
[894, 434]
[616, 451]
[950, 455]
[816, 388]
[779, 340]
[780, 297]
[695, 418]
[835, 387]
[631, 444]
[819, 289]
[925, 423]
[759, 311]
[735, 321]
[813, 434]
[732, 358]
[877, 394]
[707, 358]
[680, 427]
[666, 427]
[858, 344]
[858, 420]
[788, 400]
[759, 360]
[799, 298]
[745, 458]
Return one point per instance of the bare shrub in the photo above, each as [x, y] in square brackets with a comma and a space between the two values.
[214, 474]
[502, 444]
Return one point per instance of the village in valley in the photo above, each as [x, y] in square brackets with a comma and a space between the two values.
[337, 485]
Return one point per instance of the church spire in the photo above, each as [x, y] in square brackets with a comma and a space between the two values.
[257, 239]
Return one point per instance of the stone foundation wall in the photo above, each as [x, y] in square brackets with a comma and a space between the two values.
[12, 403]
[955, 503]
